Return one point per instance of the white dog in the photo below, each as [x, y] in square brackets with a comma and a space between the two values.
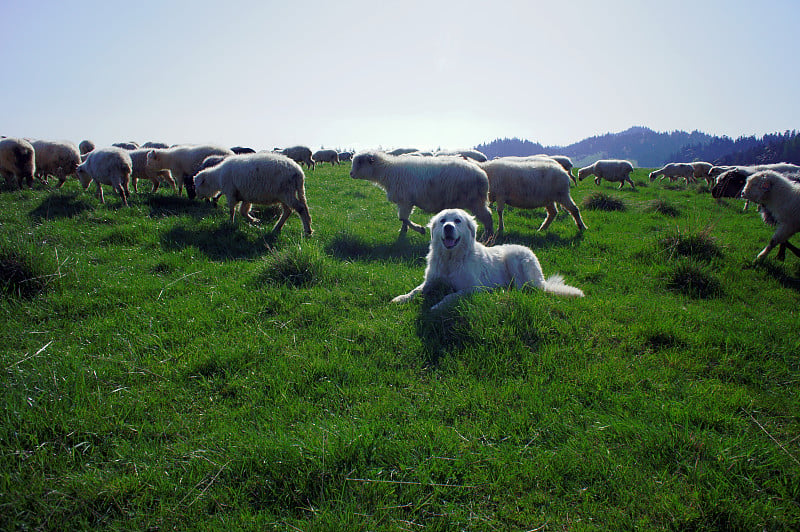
[457, 259]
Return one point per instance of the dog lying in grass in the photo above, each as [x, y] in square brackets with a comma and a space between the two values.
[456, 259]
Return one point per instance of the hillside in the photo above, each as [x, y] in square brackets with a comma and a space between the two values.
[648, 148]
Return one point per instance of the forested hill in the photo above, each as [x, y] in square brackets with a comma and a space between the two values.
[647, 148]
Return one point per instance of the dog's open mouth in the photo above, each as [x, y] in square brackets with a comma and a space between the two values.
[450, 242]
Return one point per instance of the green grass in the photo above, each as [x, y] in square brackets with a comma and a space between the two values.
[165, 369]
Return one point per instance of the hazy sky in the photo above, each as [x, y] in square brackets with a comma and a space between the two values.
[427, 74]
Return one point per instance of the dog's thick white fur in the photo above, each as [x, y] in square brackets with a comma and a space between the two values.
[456, 259]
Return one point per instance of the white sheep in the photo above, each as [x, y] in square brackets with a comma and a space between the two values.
[529, 184]
[107, 166]
[299, 154]
[183, 162]
[402, 151]
[325, 156]
[130, 145]
[702, 170]
[17, 161]
[613, 170]
[140, 170]
[781, 197]
[345, 156]
[263, 178]
[563, 160]
[430, 183]
[674, 171]
[58, 158]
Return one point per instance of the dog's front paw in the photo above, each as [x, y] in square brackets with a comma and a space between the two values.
[401, 299]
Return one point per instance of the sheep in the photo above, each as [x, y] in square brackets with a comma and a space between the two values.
[345, 156]
[702, 170]
[528, 184]
[609, 169]
[475, 155]
[263, 178]
[107, 166]
[673, 171]
[326, 156]
[780, 196]
[430, 183]
[563, 160]
[126, 145]
[241, 150]
[86, 146]
[183, 162]
[17, 161]
[57, 158]
[156, 145]
[140, 170]
[402, 151]
[299, 154]
[729, 184]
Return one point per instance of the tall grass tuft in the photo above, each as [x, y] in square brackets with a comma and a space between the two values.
[296, 266]
[26, 270]
[663, 207]
[600, 201]
[694, 244]
[691, 280]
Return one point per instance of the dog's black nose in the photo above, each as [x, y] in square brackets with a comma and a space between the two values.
[449, 230]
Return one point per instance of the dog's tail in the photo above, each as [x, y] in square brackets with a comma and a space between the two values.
[555, 285]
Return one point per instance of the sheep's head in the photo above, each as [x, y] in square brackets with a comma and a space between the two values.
[203, 185]
[83, 175]
[758, 187]
[363, 164]
[729, 184]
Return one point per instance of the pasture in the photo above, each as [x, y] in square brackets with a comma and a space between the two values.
[165, 369]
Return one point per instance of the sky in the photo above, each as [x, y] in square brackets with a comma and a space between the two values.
[353, 74]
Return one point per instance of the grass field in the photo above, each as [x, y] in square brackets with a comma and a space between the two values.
[165, 369]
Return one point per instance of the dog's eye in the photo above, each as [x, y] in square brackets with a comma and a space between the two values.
[457, 220]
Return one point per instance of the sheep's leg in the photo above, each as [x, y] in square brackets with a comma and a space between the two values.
[135, 183]
[484, 215]
[302, 211]
[597, 180]
[791, 248]
[552, 211]
[778, 238]
[99, 192]
[156, 184]
[244, 210]
[500, 223]
[287, 211]
[403, 212]
[124, 192]
[571, 208]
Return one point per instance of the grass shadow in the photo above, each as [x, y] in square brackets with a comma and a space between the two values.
[779, 273]
[538, 240]
[226, 242]
[351, 247]
[60, 205]
[173, 205]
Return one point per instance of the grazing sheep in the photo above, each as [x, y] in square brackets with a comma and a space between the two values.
[107, 166]
[86, 146]
[702, 170]
[475, 155]
[430, 183]
[609, 169]
[345, 156]
[529, 184]
[17, 161]
[300, 155]
[240, 150]
[140, 170]
[263, 178]
[674, 171]
[183, 162]
[126, 145]
[780, 196]
[326, 156]
[56, 158]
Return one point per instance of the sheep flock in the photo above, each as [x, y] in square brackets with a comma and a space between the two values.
[430, 181]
